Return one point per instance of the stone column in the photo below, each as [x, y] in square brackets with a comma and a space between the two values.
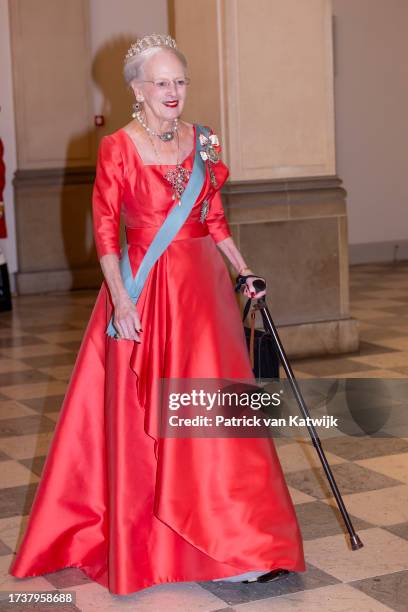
[262, 78]
[55, 145]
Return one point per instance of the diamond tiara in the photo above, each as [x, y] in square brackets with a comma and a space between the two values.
[151, 40]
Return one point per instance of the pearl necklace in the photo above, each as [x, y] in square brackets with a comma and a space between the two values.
[165, 136]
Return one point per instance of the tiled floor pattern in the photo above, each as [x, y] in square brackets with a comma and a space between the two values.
[38, 345]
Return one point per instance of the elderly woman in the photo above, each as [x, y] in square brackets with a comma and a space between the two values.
[130, 508]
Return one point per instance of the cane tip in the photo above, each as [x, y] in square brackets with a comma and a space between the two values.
[356, 543]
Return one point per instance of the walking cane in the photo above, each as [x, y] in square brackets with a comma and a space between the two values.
[260, 285]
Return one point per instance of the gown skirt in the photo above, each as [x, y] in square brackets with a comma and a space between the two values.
[131, 509]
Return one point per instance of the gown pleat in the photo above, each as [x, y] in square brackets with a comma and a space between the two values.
[129, 508]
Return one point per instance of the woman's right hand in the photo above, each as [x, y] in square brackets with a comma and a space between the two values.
[126, 320]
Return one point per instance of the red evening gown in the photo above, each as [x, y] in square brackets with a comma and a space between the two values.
[132, 511]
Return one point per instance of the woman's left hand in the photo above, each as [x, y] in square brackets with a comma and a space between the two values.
[250, 291]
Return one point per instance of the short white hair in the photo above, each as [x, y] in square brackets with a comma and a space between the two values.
[133, 68]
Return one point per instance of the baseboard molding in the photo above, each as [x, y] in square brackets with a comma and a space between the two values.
[391, 251]
[57, 280]
[320, 338]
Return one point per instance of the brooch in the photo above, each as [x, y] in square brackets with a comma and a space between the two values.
[178, 177]
[211, 148]
[204, 210]
[211, 154]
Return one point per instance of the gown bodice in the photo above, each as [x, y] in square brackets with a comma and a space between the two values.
[140, 194]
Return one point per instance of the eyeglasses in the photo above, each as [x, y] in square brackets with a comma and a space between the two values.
[162, 84]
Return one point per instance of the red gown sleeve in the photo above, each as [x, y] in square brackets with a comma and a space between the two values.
[217, 223]
[107, 197]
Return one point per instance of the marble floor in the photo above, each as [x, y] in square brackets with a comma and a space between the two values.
[39, 341]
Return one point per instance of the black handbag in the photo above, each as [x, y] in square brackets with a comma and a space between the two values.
[261, 347]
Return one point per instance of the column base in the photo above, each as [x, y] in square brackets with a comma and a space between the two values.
[320, 338]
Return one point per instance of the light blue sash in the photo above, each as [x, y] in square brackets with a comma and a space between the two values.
[167, 231]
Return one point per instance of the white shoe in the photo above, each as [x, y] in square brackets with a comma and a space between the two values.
[249, 576]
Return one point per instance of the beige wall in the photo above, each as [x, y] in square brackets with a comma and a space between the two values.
[371, 97]
[279, 99]
[112, 24]
[189, 21]
[371, 94]
[51, 84]
[264, 77]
